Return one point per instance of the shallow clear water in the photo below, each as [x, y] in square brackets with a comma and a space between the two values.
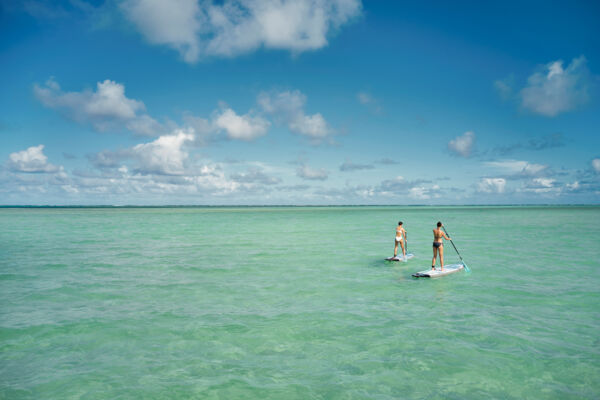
[297, 303]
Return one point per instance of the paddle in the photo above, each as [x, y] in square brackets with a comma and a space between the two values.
[461, 259]
[405, 248]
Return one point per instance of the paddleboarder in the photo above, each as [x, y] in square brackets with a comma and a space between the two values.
[400, 238]
[438, 245]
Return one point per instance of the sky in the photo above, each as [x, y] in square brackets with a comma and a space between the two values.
[304, 102]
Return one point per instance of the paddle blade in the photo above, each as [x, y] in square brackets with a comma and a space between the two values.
[466, 267]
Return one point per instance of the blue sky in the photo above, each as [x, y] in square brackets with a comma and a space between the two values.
[299, 102]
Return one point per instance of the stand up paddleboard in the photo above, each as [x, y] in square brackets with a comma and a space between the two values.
[448, 269]
[400, 258]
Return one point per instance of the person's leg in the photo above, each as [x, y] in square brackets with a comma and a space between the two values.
[442, 257]
[434, 257]
[403, 251]
[395, 247]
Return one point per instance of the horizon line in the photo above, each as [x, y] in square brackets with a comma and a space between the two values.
[294, 205]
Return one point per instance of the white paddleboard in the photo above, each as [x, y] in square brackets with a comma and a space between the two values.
[400, 258]
[448, 269]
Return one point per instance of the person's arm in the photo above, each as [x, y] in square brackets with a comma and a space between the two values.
[446, 236]
[405, 235]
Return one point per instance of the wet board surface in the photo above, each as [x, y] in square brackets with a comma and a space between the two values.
[400, 258]
[448, 269]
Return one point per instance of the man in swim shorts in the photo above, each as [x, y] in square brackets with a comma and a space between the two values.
[400, 237]
[438, 245]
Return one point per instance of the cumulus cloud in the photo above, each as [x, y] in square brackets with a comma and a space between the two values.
[424, 192]
[123, 185]
[462, 145]
[555, 89]
[389, 190]
[350, 166]
[204, 129]
[418, 188]
[547, 187]
[596, 165]
[109, 108]
[164, 155]
[288, 107]
[584, 186]
[518, 169]
[255, 176]
[541, 185]
[313, 126]
[31, 160]
[315, 174]
[491, 185]
[241, 127]
[176, 23]
[202, 28]
[105, 108]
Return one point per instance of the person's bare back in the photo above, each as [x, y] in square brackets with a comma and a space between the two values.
[438, 234]
[438, 245]
[400, 238]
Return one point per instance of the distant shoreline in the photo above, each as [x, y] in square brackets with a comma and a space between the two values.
[298, 206]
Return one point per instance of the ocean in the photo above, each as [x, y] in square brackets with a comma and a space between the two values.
[298, 303]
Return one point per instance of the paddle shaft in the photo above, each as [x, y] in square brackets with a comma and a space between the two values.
[446, 232]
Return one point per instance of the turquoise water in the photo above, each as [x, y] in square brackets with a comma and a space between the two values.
[297, 303]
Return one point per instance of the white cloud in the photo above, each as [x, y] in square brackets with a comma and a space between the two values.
[518, 168]
[164, 155]
[423, 192]
[542, 186]
[573, 186]
[32, 159]
[202, 28]
[144, 125]
[204, 130]
[544, 182]
[350, 166]
[306, 172]
[462, 145]
[255, 175]
[176, 23]
[419, 189]
[109, 100]
[288, 106]
[596, 165]
[106, 108]
[313, 126]
[491, 185]
[556, 90]
[241, 127]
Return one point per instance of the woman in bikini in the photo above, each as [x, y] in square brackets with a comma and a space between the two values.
[438, 245]
[400, 237]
